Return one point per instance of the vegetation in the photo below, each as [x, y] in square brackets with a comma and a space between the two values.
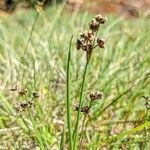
[33, 70]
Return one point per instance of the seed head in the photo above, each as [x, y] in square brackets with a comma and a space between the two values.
[96, 95]
[94, 25]
[99, 18]
[22, 92]
[101, 43]
[23, 106]
[87, 40]
[14, 88]
[84, 109]
[36, 95]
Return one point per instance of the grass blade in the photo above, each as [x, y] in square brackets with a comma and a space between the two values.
[68, 102]
[62, 139]
[75, 133]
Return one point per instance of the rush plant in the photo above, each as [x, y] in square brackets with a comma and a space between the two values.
[87, 42]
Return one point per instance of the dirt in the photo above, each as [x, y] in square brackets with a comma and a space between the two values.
[127, 8]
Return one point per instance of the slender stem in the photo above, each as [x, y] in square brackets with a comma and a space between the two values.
[75, 133]
[68, 104]
[82, 129]
[62, 139]
[30, 36]
[22, 59]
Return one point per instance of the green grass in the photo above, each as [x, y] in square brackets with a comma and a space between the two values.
[121, 71]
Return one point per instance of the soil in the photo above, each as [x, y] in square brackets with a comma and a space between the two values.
[126, 8]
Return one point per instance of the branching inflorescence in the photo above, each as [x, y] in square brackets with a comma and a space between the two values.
[89, 40]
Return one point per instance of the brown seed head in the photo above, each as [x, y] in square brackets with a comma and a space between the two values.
[24, 105]
[85, 41]
[14, 88]
[22, 92]
[85, 109]
[96, 95]
[36, 95]
[94, 25]
[101, 43]
[99, 18]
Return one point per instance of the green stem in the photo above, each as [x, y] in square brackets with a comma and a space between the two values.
[75, 133]
[68, 104]
[84, 126]
[82, 129]
[62, 139]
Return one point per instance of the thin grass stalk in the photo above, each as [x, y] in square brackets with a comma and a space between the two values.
[27, 45]
[75, 133]
[68, 102]
[62, 139]
[84, 127]
[30, 36]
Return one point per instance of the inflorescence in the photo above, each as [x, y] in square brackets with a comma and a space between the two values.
[89, 40]
[94, 97]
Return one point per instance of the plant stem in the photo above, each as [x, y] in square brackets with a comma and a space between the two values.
[84, 125]
[75, 133]
[62, 139]
[68, 104]
[82, 129]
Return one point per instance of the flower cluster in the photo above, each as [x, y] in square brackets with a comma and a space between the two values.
[88, 40]
[96, 95]
[84, 109]
[27, 103]
[23, 106]
[35, 95]
[96, 22]
[23, 92]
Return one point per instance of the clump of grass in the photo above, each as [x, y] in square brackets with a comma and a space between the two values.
[119, 121]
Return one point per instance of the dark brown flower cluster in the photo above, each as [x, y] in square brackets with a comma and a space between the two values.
[13, 88]
[23, 92]
[23, 106]
[26, 104]
[96, 95]
[36, 95]
[84, 109]
[93, 97]
[87, 41]
[96, 22]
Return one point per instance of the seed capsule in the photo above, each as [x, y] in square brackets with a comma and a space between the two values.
[101, 43]
[99, 18]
